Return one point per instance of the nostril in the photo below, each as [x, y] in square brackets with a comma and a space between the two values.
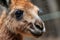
[38, 26]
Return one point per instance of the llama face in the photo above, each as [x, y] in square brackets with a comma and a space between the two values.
[23, 19]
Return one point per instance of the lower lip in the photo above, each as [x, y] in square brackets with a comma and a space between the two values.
[37, 34]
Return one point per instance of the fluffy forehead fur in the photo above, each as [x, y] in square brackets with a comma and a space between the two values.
[23, 4]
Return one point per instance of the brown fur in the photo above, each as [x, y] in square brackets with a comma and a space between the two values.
[10, 28]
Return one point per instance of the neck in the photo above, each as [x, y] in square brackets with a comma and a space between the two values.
[5, 34]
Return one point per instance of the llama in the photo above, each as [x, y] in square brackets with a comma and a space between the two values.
[20, 19]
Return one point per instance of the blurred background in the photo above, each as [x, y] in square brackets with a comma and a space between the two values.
[50, 14]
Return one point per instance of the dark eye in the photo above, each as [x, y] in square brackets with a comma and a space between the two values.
[19, 14]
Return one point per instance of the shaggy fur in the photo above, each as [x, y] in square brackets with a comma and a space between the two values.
[13, 29]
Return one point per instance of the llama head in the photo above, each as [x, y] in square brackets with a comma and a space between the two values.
[23, 19]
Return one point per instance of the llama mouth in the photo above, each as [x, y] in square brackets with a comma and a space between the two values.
[34, 29]
[36, 32]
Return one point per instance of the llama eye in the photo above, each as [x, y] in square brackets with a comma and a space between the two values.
[19, 14]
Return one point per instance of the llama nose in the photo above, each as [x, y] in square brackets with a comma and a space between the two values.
[39, 27]
[37, 30]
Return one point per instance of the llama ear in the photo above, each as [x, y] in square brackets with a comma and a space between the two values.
[5, 3]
